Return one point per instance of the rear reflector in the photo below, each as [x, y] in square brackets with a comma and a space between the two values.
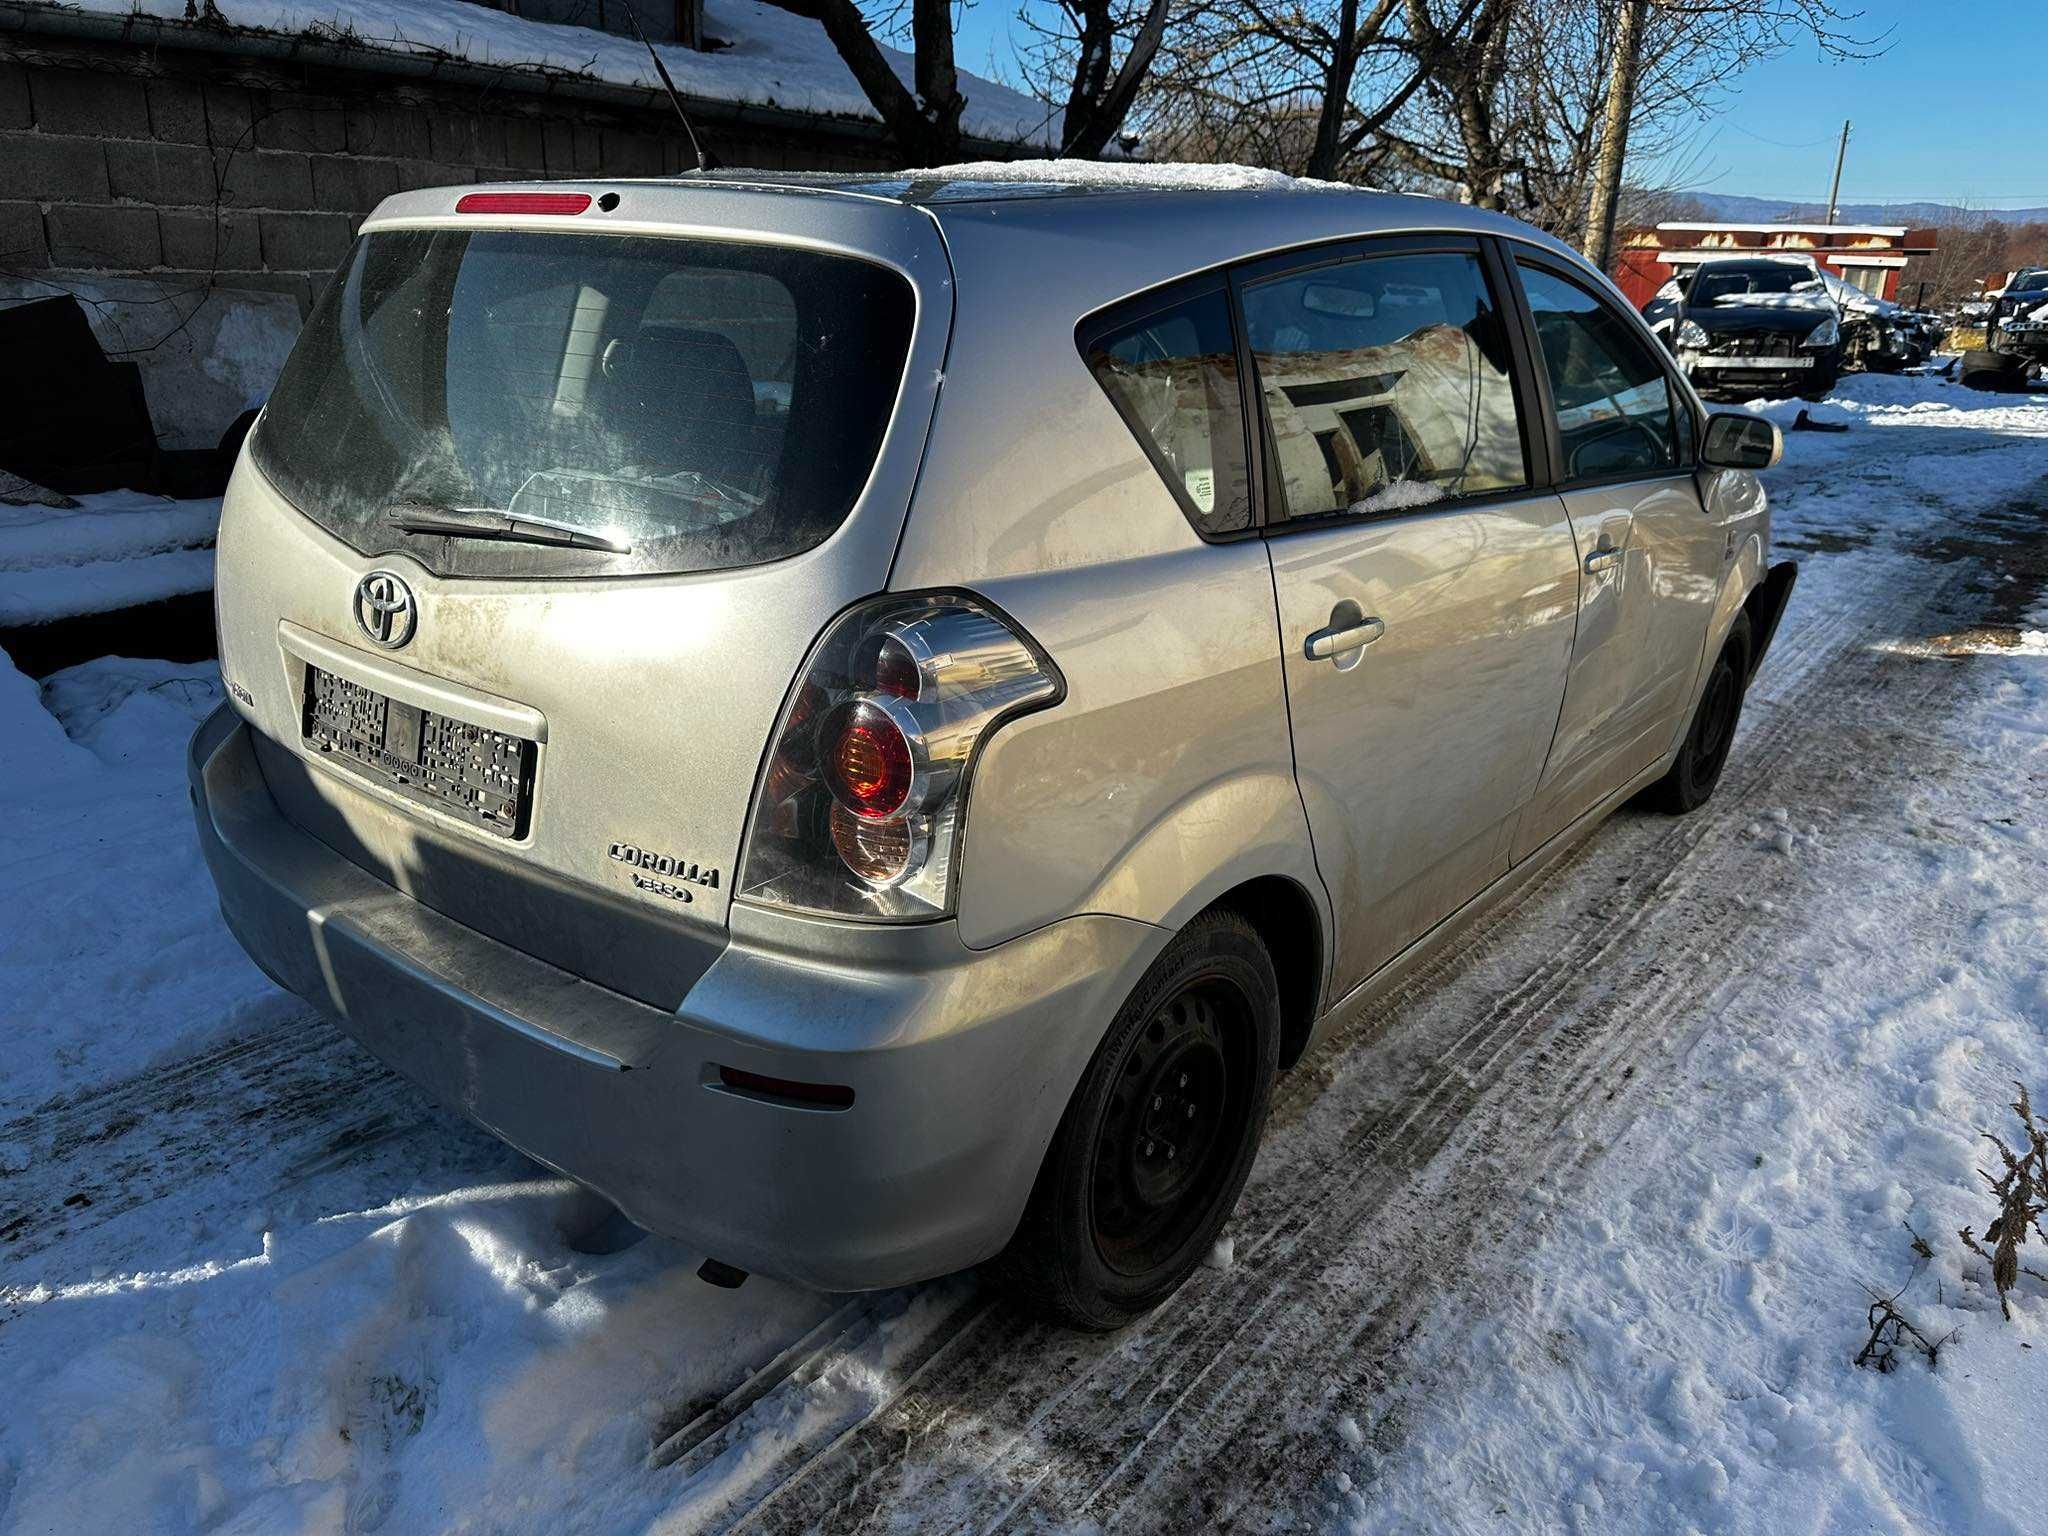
[522, 202]
[810, 1095]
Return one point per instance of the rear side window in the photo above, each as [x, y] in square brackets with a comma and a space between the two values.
[1615, 412]
[1172, 374]
[1386, 383]
[708, 403]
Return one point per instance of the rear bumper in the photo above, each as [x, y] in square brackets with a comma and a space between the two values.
[960, 1061]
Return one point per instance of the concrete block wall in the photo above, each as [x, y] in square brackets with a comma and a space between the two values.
[199, 169]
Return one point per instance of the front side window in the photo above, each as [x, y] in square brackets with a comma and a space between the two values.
[692, 404]
[1614, 403]
[1386, 383]
[1172, 375]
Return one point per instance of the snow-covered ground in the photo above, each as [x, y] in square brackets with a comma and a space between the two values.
[1668, 1339]
[1574, 1233]
[103, 552]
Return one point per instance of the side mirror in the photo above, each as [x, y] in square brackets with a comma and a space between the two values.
[1737, 440]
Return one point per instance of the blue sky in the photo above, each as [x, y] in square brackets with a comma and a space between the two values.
[1932, 121]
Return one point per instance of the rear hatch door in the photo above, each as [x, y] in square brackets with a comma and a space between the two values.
[692, 422]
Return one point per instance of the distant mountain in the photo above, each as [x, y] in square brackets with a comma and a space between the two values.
[1735, 209]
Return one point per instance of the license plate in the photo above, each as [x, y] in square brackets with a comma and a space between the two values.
[481, 775]
[1771, 363]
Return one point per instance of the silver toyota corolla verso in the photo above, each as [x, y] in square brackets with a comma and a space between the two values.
[866, 719]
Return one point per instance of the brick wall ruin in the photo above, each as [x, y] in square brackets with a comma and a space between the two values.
[231, 172]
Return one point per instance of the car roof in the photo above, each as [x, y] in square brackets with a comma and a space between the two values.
[1059, 238]
[1803, 262]
[1225, 213]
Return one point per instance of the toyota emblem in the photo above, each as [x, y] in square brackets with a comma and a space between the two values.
[385, 609]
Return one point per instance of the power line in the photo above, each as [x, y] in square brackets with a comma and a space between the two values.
[1949, 199]
[1774, 143]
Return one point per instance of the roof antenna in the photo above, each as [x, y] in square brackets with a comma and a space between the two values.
[661, 69]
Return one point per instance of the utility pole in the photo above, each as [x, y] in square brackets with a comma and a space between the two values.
[1835, 191]
[1623, 66]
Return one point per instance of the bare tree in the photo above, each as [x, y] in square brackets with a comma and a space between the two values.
[1703, 44]
[1624, 64]
[924, 124]
[1468, 56]
[1307, 86]
[1971, 247]
[1094, 53]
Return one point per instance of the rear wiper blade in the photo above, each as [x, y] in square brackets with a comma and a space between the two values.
[488, 523]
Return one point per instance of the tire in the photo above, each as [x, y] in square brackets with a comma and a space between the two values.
[1704, 753]
[1116, 1220]
[1996, 372]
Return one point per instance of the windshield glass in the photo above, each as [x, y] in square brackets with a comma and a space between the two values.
[2030, 282]
[705, 404]
[1715, 284]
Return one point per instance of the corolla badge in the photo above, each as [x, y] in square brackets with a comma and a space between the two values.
[385, 609]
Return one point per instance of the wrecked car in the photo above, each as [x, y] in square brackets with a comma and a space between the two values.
[2016, 325]
[1752, 326]
[1878, 335]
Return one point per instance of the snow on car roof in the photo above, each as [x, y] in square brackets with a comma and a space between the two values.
[1004, 180]
[1759, 259]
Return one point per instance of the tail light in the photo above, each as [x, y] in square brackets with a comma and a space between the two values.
[859, 808]
[522, 202]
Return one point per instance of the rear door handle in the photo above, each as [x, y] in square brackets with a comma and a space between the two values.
[1326, 643]
[1602, 560]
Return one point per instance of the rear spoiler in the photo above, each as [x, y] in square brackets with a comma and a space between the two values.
[1765, 606]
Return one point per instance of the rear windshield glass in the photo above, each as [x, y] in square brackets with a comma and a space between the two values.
[697, 404]
[1715, 284]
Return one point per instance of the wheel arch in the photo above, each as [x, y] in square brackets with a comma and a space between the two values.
[1289, 924]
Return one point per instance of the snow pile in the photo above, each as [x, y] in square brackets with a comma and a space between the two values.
[37, 750]
[1401, 496]
[1810, 297]
[106, 552]
[1677, 1355]
[113, 952]
[1850, 297]
[380, 1366]
[1174, 176]
[775, 58]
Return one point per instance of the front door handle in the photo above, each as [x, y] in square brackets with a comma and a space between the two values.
[1602, 560]
[1335, 641]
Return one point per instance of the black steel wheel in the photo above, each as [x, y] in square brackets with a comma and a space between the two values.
[1159, 1136]
[1175, 1115]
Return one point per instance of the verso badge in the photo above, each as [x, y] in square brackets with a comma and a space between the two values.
[385, 609]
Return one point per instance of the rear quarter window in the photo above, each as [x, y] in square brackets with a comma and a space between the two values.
[1170, 369]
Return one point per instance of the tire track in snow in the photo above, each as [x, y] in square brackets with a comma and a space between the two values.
[1204, 1415]
[231, 1128]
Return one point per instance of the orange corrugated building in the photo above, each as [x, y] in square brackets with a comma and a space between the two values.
[1867, 255]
